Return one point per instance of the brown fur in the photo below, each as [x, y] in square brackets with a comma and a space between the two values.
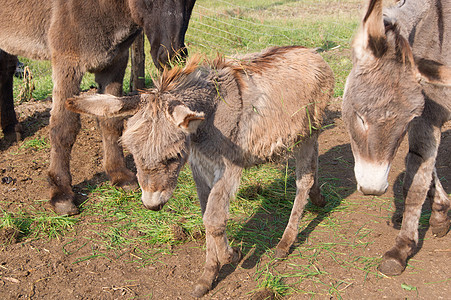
[389, 92]
[225, 116]
[86, 36]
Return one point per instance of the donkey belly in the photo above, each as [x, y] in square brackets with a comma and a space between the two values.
[24, 27]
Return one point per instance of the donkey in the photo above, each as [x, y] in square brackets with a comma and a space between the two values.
[400, 83]
[81, 36]
[222, 117]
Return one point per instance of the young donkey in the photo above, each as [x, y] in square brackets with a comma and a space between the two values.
[223, 117]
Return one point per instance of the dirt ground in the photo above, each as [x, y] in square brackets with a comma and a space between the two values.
[42, 269]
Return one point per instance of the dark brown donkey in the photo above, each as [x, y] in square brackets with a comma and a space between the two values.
[397, 85]
[224, 117]
[81, 36]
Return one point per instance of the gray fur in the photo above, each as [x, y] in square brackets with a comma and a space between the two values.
[385, 98]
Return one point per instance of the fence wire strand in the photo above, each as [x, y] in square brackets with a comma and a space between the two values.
[214, 29]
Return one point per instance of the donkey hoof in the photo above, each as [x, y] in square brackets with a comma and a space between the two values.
[200, 290]
[65, 208]
[441, 230]
[129, 186]
[236, 256]
[319, 201]
[125, 180]
[391, 267]
[280, 253]
[13, 136]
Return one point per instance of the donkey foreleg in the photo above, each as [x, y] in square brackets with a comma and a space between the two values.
[440, 204]
[11, 128]
[215, 220]
[110, 82]
[424, 139]
[306, 183]
[211, 269]
[64, 127]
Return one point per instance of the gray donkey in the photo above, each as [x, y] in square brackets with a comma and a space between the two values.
[399, 84]
[222, 117]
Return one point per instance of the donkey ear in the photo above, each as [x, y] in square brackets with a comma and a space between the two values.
[372, 32]
[187, 119]
[103, 105]
[434, 73]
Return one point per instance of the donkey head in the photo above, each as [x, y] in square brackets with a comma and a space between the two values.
[382, 95]
[165, 23]
[156, 135]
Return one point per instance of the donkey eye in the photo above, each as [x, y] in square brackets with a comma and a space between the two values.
[171, 160]
[361, 122]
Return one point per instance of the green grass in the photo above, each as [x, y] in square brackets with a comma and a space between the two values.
[37, 223]
[37, 143]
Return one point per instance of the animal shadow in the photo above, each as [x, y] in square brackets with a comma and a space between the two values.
[265, 228]
[30, 125]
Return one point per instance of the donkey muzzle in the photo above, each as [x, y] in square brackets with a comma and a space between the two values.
[371, 177]
[154, 200]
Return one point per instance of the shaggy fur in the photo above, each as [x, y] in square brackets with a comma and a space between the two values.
[401, 56]
[78, 37]
[223, 117]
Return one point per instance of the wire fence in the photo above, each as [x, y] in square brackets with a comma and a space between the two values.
[225, 26]
[239, 26]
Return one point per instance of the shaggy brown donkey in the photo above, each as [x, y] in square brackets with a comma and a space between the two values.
[81, 36]
[224, 117]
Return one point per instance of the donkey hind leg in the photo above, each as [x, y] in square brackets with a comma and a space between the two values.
[64, 127]
[215, 218]
[306, 156]
[424, 140]
[11, 128]
[440, 204]
[110, 82]
[315, 192]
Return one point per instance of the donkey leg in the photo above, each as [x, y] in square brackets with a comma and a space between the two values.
[315, 192]
[202, 187]
[424, 139]
[211, 269]
[212, 265]
[110, 82]
[440, 204]
[11, 128]
[64, 127]
[215, 219]
[217, 212]
[306, 172]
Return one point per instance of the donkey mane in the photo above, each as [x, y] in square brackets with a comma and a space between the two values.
[252, 62]
[403, 49]
[379, 45]
[177, 77]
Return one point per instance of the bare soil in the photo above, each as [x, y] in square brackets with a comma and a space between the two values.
[46, 269]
